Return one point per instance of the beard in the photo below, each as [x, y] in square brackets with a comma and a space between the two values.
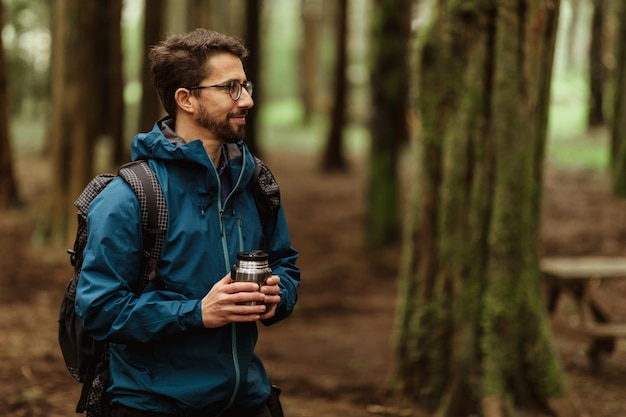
[220, 128]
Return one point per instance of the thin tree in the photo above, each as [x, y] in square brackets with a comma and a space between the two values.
[221, 16]
[334, 158]
[111, 66]
[153, 30]
[572, 33]
[391, 25]
[199, 14]
[472, 336]
[310, 21]
[253, 70]
[597, 70]
[9, 195]
[618, 128]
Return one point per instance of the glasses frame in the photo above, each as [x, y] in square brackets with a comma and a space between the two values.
[233, 92]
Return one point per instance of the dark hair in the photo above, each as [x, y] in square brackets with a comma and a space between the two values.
[180, 61]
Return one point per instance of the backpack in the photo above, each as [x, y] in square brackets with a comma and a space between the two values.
[86, 359]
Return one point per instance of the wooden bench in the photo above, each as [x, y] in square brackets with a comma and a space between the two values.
[575, 275]
[604, 331]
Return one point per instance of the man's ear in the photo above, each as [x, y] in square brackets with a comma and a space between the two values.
[184, 100]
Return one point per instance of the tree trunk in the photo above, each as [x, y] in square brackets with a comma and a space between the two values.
[8, 187]
[253, 70]
[388, 125]
[597, 69]
[114, 79]
[311, 16]
[153, 31]
[199, 14]
[472, 336]
[104, 83]
[611, 17]
[618, 129]
[219, 15]
[572, 33]
[74, 112]
[334, 159]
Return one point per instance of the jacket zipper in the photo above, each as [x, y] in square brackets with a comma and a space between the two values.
[235, 354]
[233, 328]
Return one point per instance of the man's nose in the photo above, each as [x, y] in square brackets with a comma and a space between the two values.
[245, 100]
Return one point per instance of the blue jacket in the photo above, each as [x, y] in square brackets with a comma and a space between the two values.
[162, 357]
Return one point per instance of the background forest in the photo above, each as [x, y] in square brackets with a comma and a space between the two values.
[429, 153]
[27, 38]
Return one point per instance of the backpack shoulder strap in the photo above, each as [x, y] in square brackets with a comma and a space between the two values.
[266, 196]
[95, 186]
[266, 192]
[154, 217]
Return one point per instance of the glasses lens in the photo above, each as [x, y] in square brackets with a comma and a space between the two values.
[249, 87]
[235, 90]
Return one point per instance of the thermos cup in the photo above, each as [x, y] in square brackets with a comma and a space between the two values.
[251, 266]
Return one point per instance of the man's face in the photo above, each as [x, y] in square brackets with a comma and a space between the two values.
[220, 126]
[217, 112]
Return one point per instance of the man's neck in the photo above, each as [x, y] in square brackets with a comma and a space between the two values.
[212, 146]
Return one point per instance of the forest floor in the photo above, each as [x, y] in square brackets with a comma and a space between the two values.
[333, 356]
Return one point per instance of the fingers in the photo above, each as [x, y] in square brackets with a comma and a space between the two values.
[232, 302]
[271, 290]
[271, 286]
[235, 308]
[270, 311]
[228, 286]
[240, 302]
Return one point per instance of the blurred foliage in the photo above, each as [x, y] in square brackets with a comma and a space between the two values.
[27, 41]
[570, 143]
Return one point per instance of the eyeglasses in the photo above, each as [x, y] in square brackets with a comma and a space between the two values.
[234, 88]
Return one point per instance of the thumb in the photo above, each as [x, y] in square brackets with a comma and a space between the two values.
[226, 280]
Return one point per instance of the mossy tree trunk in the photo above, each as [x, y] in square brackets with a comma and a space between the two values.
[472, 335]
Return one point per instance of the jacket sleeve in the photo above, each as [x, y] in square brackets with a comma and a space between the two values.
[112, 263]
[282, 257]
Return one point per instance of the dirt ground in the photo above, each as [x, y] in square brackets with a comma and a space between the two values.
[333, 355]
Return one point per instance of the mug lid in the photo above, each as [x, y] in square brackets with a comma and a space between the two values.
[256, 255]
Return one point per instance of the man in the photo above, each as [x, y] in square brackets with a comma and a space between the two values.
[188, 350]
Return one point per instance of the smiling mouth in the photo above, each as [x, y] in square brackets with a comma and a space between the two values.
[240, 117]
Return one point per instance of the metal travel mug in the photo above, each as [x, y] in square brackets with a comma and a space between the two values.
[251, 266]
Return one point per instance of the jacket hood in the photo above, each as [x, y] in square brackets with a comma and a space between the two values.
[162, 143]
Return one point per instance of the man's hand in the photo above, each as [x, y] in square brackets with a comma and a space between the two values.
[224, 302]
